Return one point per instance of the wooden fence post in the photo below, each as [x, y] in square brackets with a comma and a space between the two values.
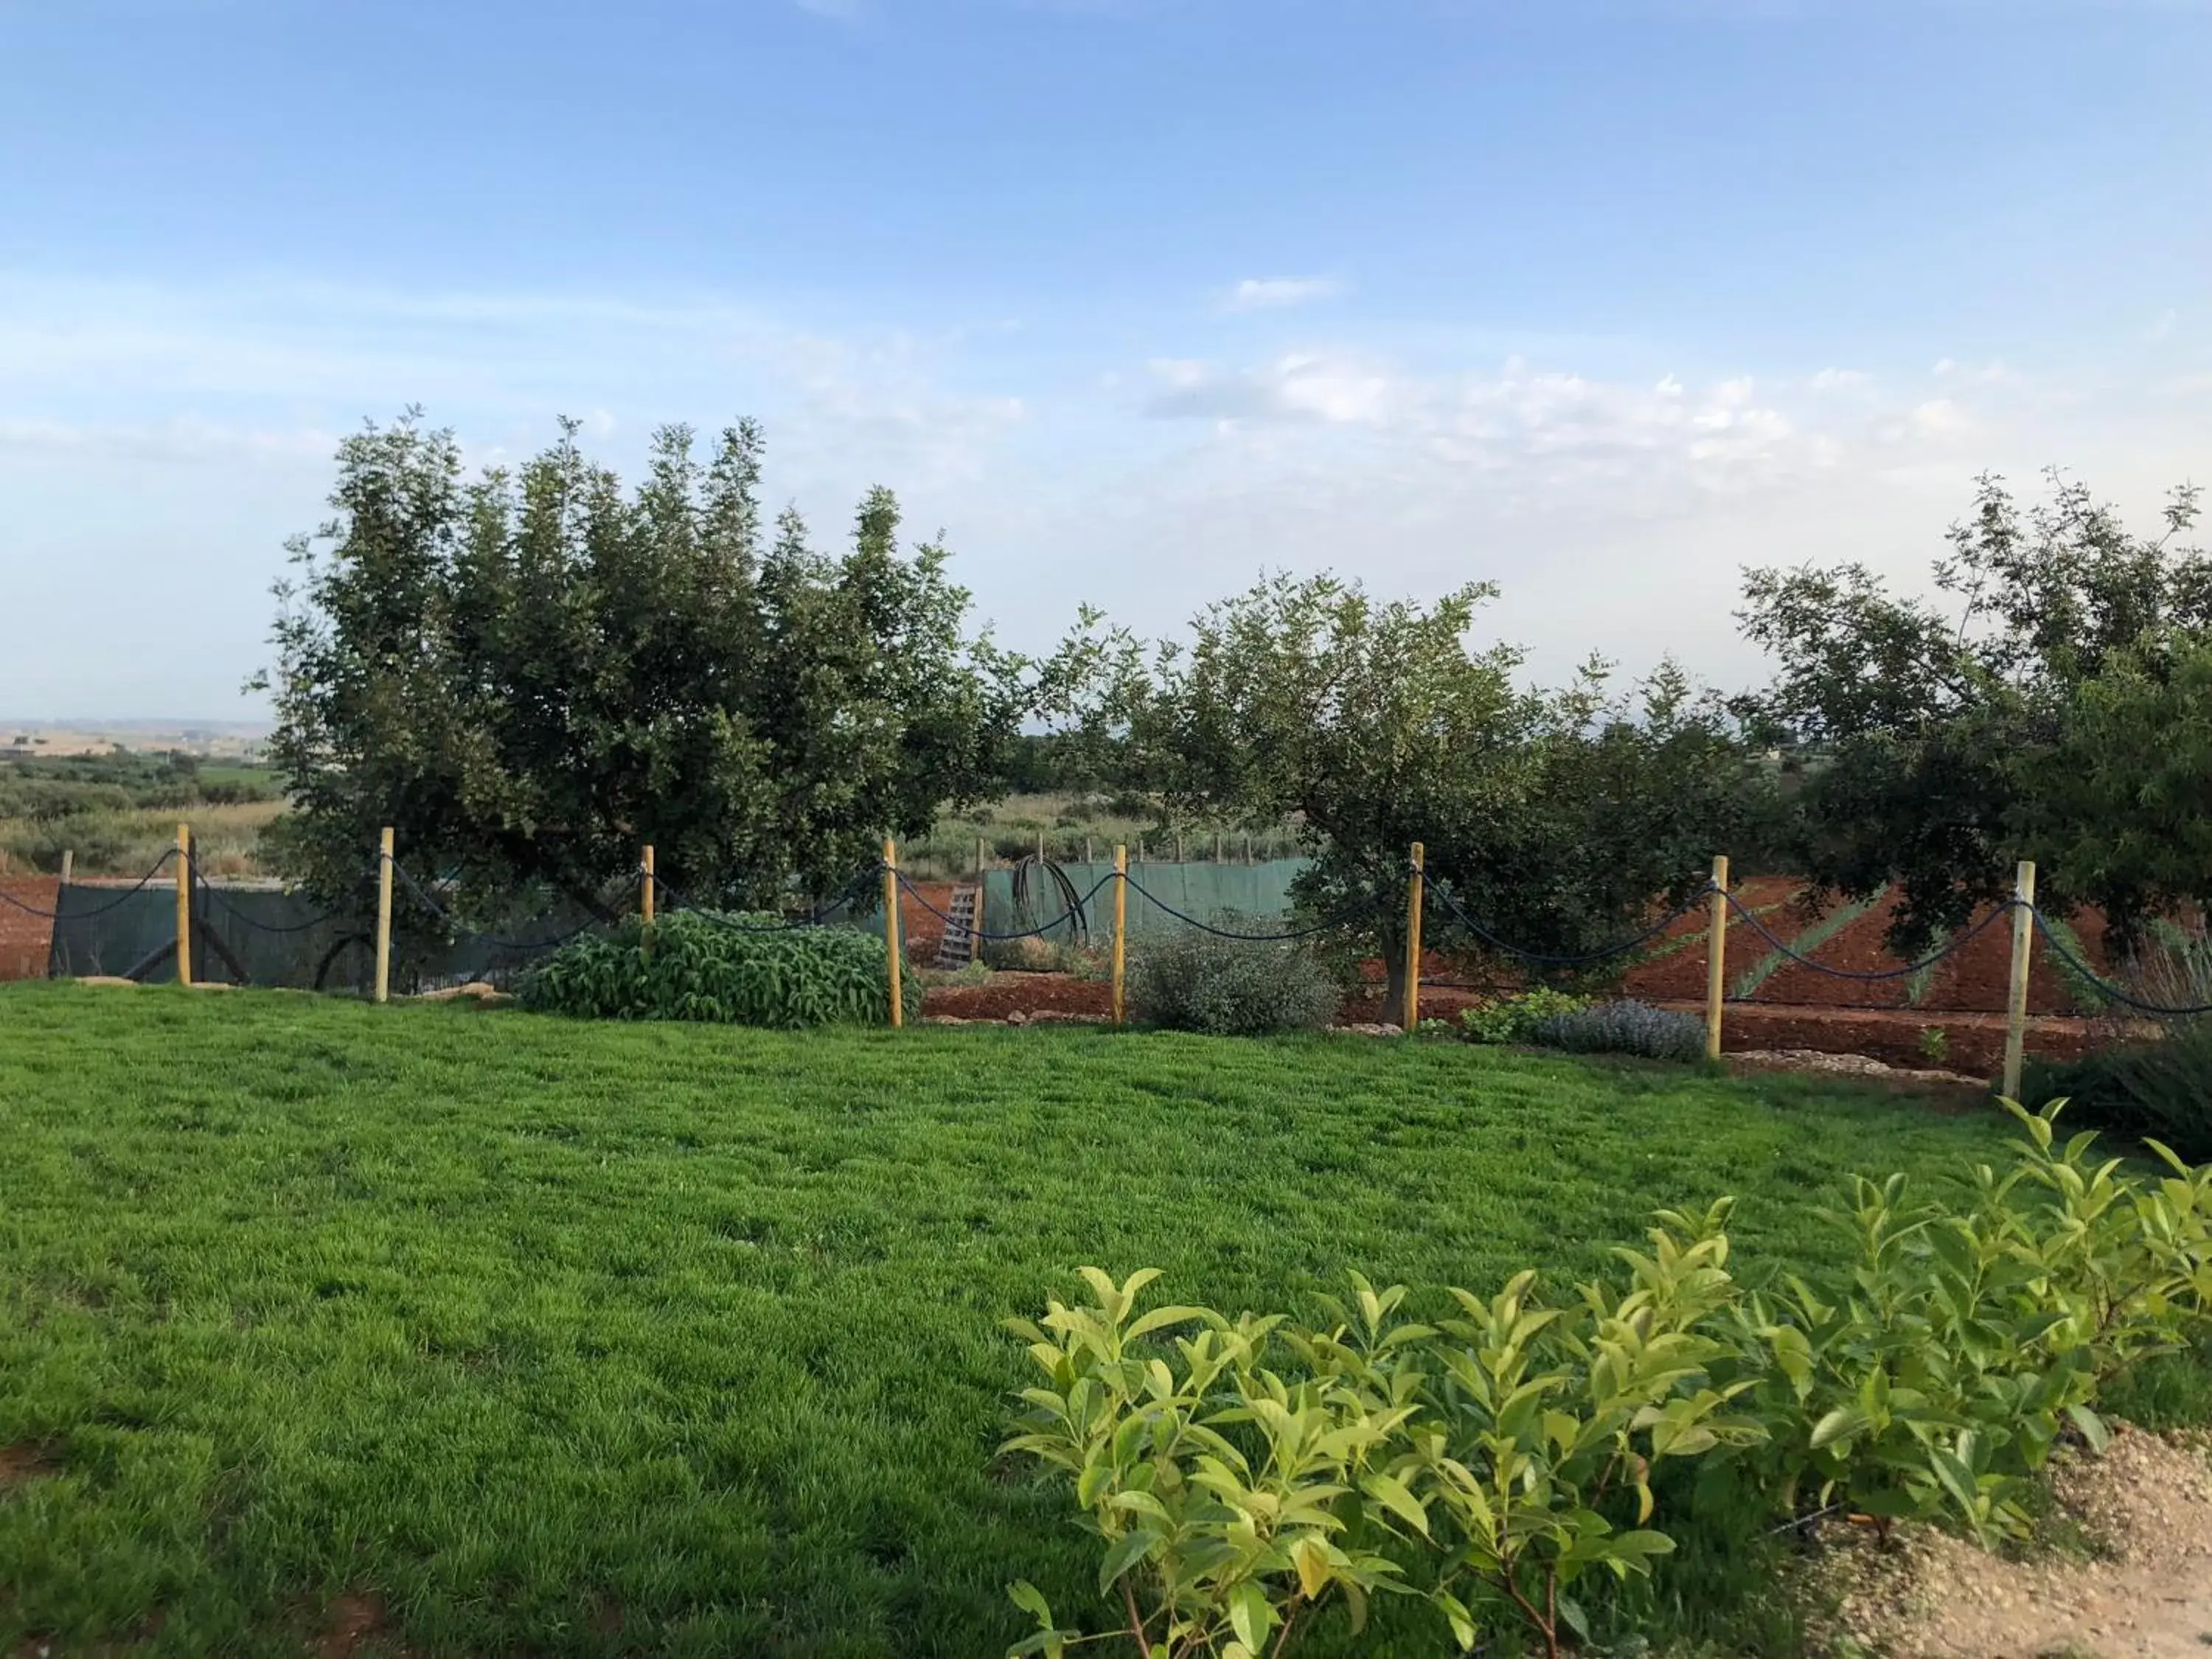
[1716, 957]
[1248, 847]
[1086, 849]
[68, 864]
[184, 904]
[975, 927]
[1217, 846]
[645, 886]
[384, 915]
[1413, 897]
[891, 931]
[1120, 928]
[1178, 844]
[1040, 846]
[2023, 941]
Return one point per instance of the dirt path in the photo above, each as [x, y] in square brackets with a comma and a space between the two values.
[2146, 1508]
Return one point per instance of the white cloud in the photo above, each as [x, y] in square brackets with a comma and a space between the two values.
[1563, 426]
[1994, 373]
[1296, 387]
[1280, 293]
[158, 445]
[1933, 422]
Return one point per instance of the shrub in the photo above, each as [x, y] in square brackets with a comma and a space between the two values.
[1198, 981]
[2157, 1088]
[1514, 1019]
[722, 968]
[1623, 1027]
[1257, 1474]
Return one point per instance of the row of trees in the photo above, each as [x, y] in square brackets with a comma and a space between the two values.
[531, 673]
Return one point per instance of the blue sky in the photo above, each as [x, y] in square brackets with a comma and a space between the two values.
[1600, 299]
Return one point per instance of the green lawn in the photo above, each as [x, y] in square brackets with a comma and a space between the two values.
[558, 1338]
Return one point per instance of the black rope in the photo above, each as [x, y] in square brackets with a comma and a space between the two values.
[1336, 919]
[495, 939]
[969, 931]
[1870, 975]
[1552, 960]
[2105, 988]
[216, 894]
[119, 900]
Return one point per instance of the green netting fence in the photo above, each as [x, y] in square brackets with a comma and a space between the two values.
[1257, 892]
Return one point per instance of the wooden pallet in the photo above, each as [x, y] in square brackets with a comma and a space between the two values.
[959, 946]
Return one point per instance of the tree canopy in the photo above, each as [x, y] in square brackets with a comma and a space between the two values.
[2052, 709]
[532, 672]
[1554, 817]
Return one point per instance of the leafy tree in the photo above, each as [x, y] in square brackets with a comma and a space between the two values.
[532, 673]
[2048, 710]
[1554, 818]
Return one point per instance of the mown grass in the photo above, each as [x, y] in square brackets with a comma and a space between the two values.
[558, 1338]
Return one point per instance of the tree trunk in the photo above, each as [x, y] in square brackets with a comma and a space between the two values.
[1392, 944]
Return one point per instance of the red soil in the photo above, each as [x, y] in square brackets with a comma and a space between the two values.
[1974, 980]
[921, 929]
[26, 940]
[1009, 994]
[1681, 972]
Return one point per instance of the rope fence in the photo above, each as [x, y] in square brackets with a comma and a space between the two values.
[1951, 946]
[388, 874]
[1581, 959]
[2103, 987]
[120, 899]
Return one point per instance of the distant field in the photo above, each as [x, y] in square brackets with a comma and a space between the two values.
[221, 739]
[1068, 823]
[115, 814]
[496, 1333]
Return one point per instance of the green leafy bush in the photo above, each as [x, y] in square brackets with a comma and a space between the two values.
[1258, 1474]
[1623, 1027]
[728, 968]
[1221, 1483]
[2159, 1087]
[1934, 1379]
[1515, 1018]
[1198, 981]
